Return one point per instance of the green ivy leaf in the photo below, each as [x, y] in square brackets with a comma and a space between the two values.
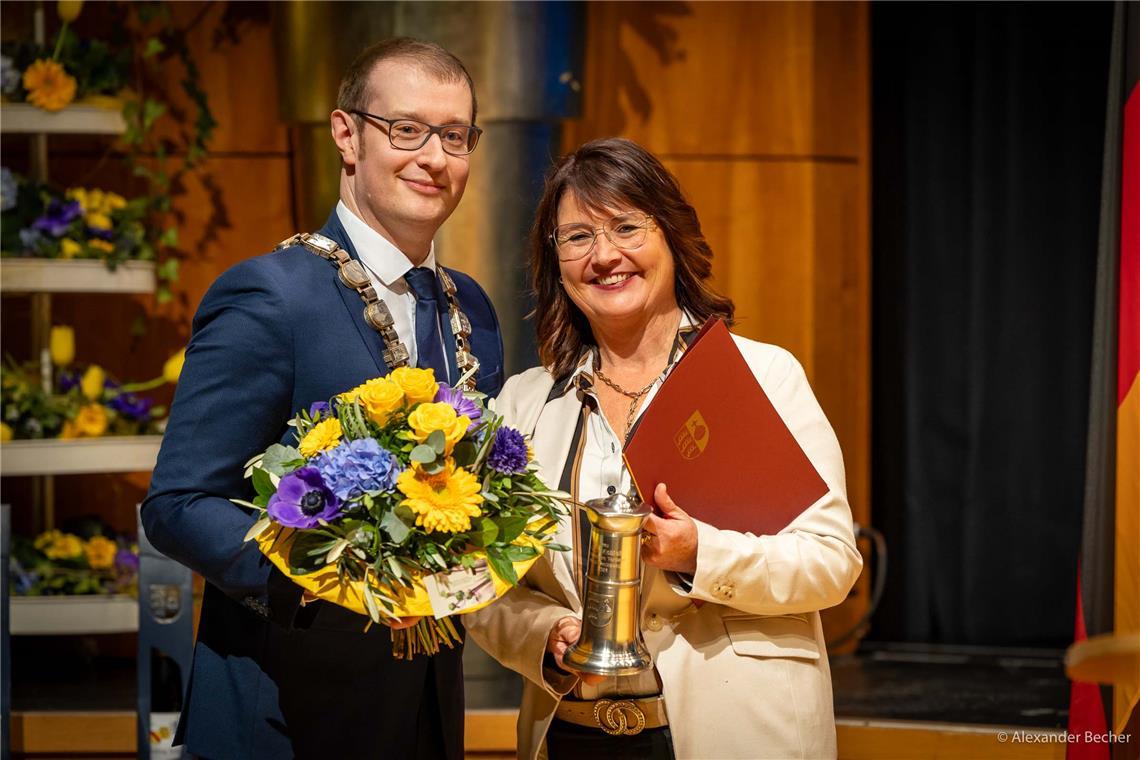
[153, 47]
[486, 532]
[262, 484]
[511, 528]
[502, 567]
[464, 453]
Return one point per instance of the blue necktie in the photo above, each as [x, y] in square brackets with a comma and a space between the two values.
[429, 341]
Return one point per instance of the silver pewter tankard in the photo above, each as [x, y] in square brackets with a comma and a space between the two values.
[610, 643]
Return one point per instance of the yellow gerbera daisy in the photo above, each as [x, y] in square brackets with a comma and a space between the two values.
[49, 86]
[91, 420]
[444, 502]
[324, 435]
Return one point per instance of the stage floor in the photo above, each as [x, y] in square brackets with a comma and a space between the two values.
[974, 685]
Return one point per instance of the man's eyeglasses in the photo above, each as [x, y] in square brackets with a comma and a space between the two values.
[625, 231]
[409, 134]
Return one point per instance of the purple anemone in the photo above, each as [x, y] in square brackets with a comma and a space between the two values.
[318, 410]
[303, 500]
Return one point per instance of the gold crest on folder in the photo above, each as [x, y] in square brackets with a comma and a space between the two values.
[693, 436]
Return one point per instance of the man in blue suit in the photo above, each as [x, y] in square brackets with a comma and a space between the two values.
[273, 677]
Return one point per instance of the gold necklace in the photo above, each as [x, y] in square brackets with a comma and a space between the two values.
[634, 396]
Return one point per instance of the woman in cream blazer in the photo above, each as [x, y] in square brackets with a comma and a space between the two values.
[736, 640]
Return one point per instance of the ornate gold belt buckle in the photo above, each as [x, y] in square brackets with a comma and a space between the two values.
[619, 717]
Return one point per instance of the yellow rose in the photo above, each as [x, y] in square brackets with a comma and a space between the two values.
[91, 420]
[324, 435]
[419, 385]
[427, 418]
[172, 370]
[100, 552]
[97, 220]
[68, 10]
[62, 345]
[380, 397]
[69, 249]
[92, 382]
[6, 433]
[49, 86]
[101, 245]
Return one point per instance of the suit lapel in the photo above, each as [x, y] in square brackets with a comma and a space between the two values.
[372, 340]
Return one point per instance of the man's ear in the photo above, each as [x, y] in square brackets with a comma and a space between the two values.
[345, 135]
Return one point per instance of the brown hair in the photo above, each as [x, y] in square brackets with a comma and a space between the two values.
[616, 173]
[353, 92]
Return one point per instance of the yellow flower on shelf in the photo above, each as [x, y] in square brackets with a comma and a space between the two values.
[92, 382]
[62, 345]
[68, 432]
[97, 220]
[100, 552]
[101, 245]
[427, 418]
[172, 370]
[68, 10]
[444, 502]
[6, 433]
[69, 249]
[49, 86]
[57, 545]
[419, 385]
[113, 202]
[91, 421]
[324, 435]
[380, 397]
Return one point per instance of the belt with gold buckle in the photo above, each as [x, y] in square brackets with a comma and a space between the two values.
[617, 717]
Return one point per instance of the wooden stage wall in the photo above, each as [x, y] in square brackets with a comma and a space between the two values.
[762, 112]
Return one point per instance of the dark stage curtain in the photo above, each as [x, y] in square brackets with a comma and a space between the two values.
[988, 129]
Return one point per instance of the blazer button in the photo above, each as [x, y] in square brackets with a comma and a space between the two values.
[654, 623]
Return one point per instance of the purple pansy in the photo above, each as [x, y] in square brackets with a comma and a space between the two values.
[508, 452]
[303, 500]
[460, 403]
[132, 406]
[58, 217]
[355, 468]
[126, 560]
[68, 380]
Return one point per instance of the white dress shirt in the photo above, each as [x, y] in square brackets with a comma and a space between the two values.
[386, 266]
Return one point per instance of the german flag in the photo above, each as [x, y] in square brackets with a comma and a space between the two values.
[1108, 583]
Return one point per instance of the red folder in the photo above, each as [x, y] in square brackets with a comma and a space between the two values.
[713, 437]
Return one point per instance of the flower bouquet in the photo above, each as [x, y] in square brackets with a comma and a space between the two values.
[404, 497]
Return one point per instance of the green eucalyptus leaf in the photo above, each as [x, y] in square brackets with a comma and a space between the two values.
[396, 528]
[423, 454]
[437, 441]
[281, 460]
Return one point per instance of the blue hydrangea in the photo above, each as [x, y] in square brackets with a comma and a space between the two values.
[8, 189]
[10, 76]
[355, 468]
[508, 452]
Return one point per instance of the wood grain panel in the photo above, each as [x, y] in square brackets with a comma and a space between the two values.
[725, 78]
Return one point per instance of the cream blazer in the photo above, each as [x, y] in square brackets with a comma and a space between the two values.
[745, 674]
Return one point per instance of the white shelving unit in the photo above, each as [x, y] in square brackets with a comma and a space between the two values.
[40, 278]
[65, 615]
[76, 119]
[80, 456]
[75, 276]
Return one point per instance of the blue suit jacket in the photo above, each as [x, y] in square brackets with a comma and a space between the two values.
[274, 334]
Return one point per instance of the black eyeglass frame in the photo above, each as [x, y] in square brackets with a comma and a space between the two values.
[433, 129]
